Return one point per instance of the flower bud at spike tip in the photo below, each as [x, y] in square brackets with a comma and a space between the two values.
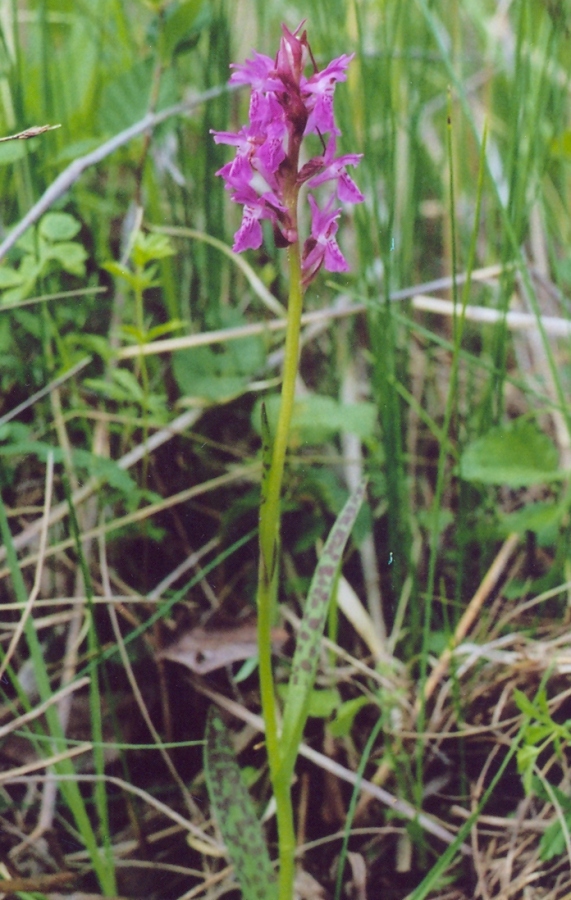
[265, 176]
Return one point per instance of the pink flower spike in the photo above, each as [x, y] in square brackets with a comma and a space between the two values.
[265, 175]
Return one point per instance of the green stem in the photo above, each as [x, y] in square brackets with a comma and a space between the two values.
[270, 513]
[268, 572]
[140, 321]
[286, 839]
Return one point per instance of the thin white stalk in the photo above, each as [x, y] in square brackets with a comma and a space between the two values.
[517, 321]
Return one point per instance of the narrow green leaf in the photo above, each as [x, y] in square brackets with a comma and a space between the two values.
[119, 271]
[151, 247]
[304, 667]
[235, 813]
[166, 328]
[524, 704]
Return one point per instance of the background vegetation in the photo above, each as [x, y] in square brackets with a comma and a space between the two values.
[134, 351]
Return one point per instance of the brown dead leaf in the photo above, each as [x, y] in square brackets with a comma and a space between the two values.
[38, 883]
[203, 650]
[34, 131]
[307, 888]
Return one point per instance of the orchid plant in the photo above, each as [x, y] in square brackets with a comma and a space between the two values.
[265, 177]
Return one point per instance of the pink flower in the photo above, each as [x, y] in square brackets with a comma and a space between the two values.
[265, 175]
[255, 72]
[322, 248]
[334, 170]
[320, 88]
[265, 206]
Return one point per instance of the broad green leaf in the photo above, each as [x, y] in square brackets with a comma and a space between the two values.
[516, 455]
[217, 389]
[104, 469]
[552, 841]
[315, 414]
[322, 703]
[318, 418]
[28, 272]
[235, 814]
[125, 100]
[100, 467]
[70, 255]
[246, 355]
[58, 226]
[27, 242]
[542, 518]
[9, 277]
[201, 372]
[219, 373]
[304, 666]
[179, 25]
[343, 721]
[11, 151]
[14, 431]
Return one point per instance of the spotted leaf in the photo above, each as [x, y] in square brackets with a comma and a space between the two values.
[304, 667]
[235, 813]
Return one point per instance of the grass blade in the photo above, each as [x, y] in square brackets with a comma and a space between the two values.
[235, 813]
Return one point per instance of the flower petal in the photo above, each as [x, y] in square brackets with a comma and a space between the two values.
[249, 236]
